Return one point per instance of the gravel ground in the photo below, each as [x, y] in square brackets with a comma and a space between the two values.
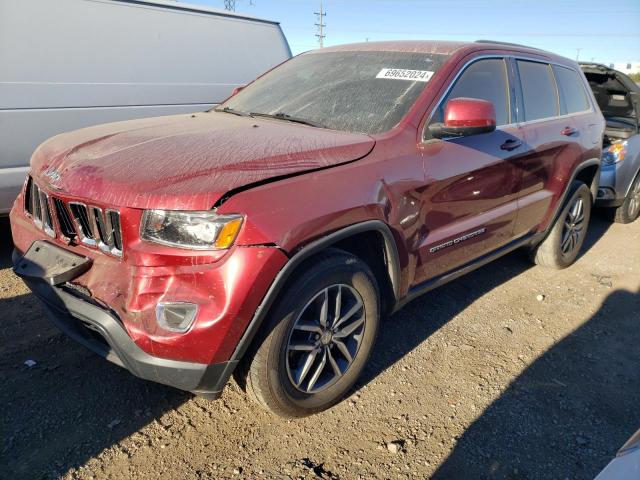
[513, 371]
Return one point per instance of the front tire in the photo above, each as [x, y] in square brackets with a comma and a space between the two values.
[318, 337]
[630, 208]
[562, 246]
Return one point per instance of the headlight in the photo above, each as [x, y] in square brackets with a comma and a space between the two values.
[614, 153]
[203, 230]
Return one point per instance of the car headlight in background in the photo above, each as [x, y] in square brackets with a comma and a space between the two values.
[614, 153]
[197, 230]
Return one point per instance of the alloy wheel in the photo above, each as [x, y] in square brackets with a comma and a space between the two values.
[325, 338]
[573, 227]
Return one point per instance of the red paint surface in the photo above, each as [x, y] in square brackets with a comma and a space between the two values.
[469, 112]
[427, 192]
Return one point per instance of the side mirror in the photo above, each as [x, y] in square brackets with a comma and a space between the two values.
[465, 116]
[237, 90]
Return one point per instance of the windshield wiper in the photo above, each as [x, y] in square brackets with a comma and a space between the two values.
[288, 118]
[240, 113]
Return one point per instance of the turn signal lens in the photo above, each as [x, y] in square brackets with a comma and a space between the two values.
[228, 234]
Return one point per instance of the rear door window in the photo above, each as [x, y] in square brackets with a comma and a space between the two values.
[539, 93]
[573, 97]
[486, 80]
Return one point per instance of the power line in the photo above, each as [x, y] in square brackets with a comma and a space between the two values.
[320, 19]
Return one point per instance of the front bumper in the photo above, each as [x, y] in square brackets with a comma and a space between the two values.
[615, 181]
[102, 331]
[227, 289]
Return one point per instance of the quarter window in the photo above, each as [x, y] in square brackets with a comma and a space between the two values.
[573, 97]
[485, 80]
[539, 93]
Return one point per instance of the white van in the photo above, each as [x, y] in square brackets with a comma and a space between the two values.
[67, 64]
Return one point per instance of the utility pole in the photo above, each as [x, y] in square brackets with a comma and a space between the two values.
[230, 5]
[578, 54]
[320, 17]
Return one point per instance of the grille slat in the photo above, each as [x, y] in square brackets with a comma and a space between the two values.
[64, 219]
[81, 219]
[28, 206]
[36, 211]
[45, 214]
[114, 217]
[90, 224]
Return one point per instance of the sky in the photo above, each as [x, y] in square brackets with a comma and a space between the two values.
[597, 30]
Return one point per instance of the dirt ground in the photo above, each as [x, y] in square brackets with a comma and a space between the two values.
[511, 372]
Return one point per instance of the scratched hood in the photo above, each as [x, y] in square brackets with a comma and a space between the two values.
[185, 161]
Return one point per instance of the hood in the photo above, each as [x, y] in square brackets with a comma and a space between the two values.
[186, 161]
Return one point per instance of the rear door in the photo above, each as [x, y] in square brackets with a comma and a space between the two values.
[470, 198]
[552, 144]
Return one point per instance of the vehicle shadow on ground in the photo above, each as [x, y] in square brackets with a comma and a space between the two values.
[417, 321]
[71, 405]
[569, 412]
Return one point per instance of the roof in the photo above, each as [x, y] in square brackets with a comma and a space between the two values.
[188, 7]
[437, 46]
[415, 46]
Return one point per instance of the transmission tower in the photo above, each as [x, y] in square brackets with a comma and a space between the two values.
[320, 18]
[230, 5]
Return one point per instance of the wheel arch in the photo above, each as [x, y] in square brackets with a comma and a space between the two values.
[342, 238]
[588, 172]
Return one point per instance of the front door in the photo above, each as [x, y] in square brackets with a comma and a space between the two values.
[472, 183]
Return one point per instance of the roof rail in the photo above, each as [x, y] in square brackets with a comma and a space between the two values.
[507, 43]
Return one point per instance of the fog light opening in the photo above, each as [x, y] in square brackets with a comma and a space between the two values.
[605, 194]
[176, 316]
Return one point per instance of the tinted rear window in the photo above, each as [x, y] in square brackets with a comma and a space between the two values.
[573, 97]
[538, 90]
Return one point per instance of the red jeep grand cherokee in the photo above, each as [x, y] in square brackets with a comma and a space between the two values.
[269, 235]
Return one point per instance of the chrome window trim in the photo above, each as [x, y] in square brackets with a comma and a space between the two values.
[515, 57]
[581, 85]
[453, 83]
[555, 87]
[551, 63]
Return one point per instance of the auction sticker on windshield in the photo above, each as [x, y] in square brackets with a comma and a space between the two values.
[402, 74]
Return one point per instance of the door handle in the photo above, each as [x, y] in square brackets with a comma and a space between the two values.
[568, 131]
[510, 145]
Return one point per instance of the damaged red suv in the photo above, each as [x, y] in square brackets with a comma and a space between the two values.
[268, 236]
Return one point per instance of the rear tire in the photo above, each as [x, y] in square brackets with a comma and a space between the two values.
[630, 208]
[562, 246]
[317, 339]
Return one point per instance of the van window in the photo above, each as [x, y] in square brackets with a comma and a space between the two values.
[573, 97]
[539, 92]
[487, 80]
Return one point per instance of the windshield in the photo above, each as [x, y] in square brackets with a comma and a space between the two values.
[366, 92]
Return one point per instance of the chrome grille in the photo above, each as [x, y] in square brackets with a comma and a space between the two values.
[89, 224]
[38, 206]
